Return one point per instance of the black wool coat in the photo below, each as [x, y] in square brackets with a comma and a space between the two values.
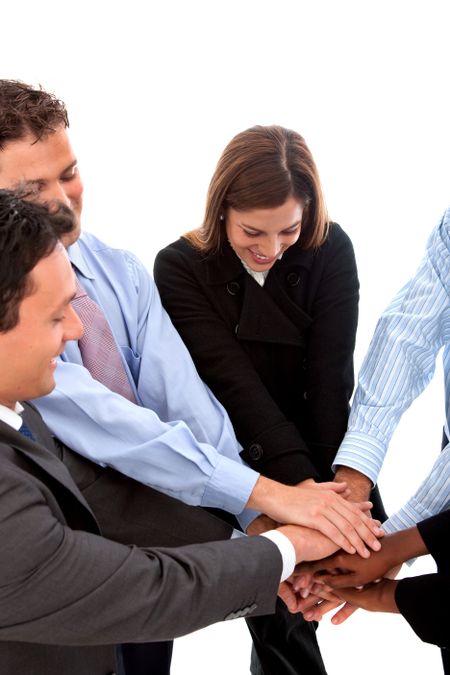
[278, 357]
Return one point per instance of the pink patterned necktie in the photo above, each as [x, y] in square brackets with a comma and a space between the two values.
[98, 347]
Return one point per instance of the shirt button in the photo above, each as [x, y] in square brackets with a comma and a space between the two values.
[293, 279]
[233, 288]
[255, 451]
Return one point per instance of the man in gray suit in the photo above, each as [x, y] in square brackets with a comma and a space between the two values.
[67, 594]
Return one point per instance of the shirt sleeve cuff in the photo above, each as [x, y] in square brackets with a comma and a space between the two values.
[218, 493]
[286, 549]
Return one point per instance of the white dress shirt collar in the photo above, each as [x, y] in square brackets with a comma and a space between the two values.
[11, 417]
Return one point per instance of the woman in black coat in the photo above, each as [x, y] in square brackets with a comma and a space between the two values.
[265, 296]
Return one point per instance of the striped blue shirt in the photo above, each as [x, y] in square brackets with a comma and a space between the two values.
[399, 365]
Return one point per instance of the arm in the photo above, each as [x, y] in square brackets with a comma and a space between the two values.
[401, 358]
[432, 497]
[341, 569]
[182, 441]
[67, 575]
[197, 311]
[332, 303]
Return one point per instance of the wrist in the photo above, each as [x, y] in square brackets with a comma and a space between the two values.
[358, 484]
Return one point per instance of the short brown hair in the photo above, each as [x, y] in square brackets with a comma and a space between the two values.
[28, 233]
[25, 110]
[260, 169]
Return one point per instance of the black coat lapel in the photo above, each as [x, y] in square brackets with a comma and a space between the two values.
[267, 313]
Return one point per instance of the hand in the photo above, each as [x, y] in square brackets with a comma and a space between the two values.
[309, 544]
[320, 507]
[358, 484]
[261, 524]
[341, 570]
[376, 597]
[319, 601]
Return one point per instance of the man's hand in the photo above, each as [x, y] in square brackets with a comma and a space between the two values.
[319, 506]
[357, 483]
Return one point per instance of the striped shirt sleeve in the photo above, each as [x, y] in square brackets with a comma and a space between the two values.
[399, 364]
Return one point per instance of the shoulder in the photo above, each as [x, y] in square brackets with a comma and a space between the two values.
[120, 264]
[177, 256]
[334, 251]
[337, 238]
[89, 243]
[179, 249]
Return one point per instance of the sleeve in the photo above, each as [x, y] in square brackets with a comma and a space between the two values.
[75, 588]
[331, 342]
[226, 368]
[424, 601]
[180, 441]
[401, 358]
[432, 497]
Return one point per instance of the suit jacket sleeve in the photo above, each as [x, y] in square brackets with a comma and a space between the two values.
[72, 587]
[424, 600]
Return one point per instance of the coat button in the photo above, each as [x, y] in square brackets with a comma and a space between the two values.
[293, 279]
[233, 288]
[255, 451]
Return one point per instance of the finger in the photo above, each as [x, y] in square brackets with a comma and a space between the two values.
[343, 614]
[319, 611]
[338, 581]
[286, 593]
[359, 529]
[332, 486]
[306, 604]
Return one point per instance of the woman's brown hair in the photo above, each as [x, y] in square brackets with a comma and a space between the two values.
[260, 169]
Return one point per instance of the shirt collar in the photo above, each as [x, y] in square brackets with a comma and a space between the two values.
[78, 261]
[11, 417]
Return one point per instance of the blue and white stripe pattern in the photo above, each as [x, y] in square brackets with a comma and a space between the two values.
[400, 363]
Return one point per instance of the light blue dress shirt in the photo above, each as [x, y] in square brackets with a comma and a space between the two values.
[179, 439]
[398, 366]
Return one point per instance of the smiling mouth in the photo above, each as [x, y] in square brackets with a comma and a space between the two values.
[262, 259]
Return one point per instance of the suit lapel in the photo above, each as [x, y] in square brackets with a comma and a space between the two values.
[42, 457]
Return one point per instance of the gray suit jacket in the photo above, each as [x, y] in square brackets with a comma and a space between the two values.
[67, 594]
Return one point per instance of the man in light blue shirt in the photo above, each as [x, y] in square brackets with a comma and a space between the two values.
[399, 364]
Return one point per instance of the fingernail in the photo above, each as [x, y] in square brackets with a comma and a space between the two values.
[376, 545]
[304, 592]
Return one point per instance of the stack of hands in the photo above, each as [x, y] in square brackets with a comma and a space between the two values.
[343, 558]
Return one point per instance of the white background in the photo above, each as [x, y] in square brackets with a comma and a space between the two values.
[155, 91]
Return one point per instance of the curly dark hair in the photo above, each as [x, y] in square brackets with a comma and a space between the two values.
[28, 233]
[26, 110]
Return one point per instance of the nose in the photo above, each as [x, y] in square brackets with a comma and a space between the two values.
[57, 194]
[271, 247]
[73, 329]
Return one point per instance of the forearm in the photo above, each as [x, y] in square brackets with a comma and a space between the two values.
[110, 430]
[358, 484]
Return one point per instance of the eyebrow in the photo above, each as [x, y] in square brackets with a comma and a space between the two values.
[255, 229]
[65, 302]
[35, 182]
